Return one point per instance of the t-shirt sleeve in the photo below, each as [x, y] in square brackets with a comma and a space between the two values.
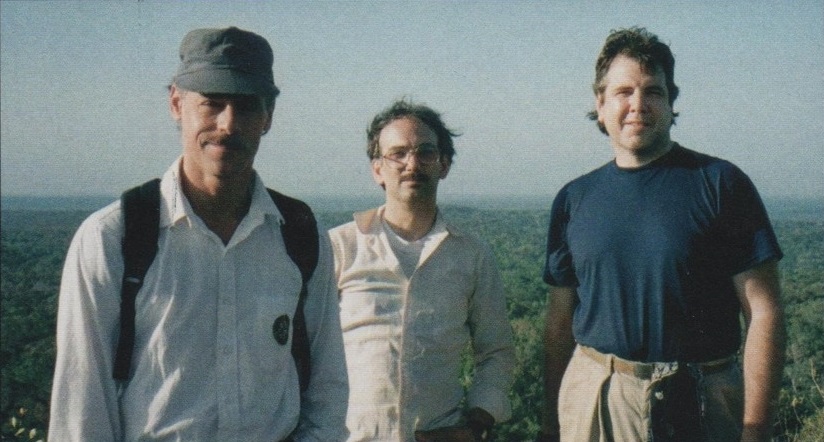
[745, 225]
[559, 269]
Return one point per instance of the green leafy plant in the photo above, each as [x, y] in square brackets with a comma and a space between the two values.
[18, 428]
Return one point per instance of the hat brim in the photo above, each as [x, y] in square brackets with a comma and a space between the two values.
[225, 81]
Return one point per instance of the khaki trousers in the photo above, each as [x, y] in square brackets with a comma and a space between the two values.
[605, 398]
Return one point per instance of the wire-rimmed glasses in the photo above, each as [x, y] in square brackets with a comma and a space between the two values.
[425, 154]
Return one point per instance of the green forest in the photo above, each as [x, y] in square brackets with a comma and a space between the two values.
[34, 244]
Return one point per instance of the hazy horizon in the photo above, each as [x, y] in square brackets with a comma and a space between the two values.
[83, 105]
[795, 208]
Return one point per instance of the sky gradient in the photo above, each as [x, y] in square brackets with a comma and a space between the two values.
[84, 104]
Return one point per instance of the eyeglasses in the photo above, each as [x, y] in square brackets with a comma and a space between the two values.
[425, 154]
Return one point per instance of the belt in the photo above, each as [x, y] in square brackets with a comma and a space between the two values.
[644, 370]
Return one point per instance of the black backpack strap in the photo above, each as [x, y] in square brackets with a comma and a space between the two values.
[141, 213]
[300, 234]
[141, 209]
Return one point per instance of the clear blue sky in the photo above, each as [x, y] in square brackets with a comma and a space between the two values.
[84, 108]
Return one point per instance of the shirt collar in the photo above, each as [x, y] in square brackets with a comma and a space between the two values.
[369, 221]
[175, 207]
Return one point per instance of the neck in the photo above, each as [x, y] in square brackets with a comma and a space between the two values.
[220, 204]
[627, 159]
[410, 221]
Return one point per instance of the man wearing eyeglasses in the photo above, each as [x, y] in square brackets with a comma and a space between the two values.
[415, 292]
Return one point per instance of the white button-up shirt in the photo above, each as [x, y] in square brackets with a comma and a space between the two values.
[404, 336]
[206, 365]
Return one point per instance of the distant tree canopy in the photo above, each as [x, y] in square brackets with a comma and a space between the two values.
[34, 245]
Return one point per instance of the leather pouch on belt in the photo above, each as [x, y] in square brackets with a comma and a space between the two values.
[676, 408]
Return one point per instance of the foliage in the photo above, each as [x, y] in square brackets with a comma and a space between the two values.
[34, 244]
[17, 428]
[33, 249]
[803, 296]
[813, 428]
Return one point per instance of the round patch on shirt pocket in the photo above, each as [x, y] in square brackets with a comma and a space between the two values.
[281, 329]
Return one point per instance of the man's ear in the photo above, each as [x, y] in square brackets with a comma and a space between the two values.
[270, 112]
[267, 126]
[446, 164]
[377, 174]
[599, 104]
[175, 102]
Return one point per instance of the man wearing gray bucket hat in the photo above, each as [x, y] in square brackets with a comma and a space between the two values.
[216, 310]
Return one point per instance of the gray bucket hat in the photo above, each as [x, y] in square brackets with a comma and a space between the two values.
[226, 61]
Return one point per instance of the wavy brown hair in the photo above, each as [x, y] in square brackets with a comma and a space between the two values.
[642, 46]
[404, 109]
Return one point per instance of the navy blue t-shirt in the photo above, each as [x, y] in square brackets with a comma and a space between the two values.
[652, 252]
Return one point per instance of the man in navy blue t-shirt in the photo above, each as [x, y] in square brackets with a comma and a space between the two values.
[651, 259]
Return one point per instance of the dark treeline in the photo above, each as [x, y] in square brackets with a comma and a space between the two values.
[34, 244]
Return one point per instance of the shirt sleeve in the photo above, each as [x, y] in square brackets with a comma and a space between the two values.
[746, 228]
[493, 348]
[84, 401]
[559, 269]
[324, 403]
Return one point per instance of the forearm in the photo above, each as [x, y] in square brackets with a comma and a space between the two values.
[759, 292]
[763, 368]
[559, 344]
[558, 348]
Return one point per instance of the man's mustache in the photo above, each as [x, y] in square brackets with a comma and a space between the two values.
[420, 177]
[232, 142]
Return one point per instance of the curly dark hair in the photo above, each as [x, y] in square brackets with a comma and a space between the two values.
[403, 109]
[643, 46]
